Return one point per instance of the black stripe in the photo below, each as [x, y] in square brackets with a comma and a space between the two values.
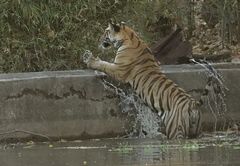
[152, 100]
[127, 73]
[158, 77]
[162, 113]
[138, 81]
[175, 98]
[160, 99]
[143, 53]
[140, 71]
[173, 91]
[160, 104]
[143, 61]
[152, 103]
[136, 62]
[148, 50]
[167, 102]
[147, 77]
[177, 112]
[167, 85]
[139, 42]
[144, 82]
[170, 123]
[131, 36]
[134, 78]
[186, 102]
[150, 87]
[179, 100]
[152, 82]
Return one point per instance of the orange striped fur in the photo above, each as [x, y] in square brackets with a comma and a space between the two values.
[135, 64]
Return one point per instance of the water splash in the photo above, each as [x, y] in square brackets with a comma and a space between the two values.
[146, 123]
[215, 97]
[211, 71]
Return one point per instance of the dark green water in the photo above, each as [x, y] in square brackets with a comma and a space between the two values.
[111, 152]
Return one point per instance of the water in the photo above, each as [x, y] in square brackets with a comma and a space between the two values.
[214, 100]
[128, 152]
[216, 89]
[145, 122]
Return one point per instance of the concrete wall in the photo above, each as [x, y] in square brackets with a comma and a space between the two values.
[74, 104]
[193, 77]
[70, 104]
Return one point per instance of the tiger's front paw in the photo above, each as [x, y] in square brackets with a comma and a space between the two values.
[89, 59]
[87, 56]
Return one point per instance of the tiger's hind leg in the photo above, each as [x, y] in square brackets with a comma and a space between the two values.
[184, 124]
[177, 125]
[195, 123]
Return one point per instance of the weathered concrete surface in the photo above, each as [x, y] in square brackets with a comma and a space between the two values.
[74, 104]
[58, 104]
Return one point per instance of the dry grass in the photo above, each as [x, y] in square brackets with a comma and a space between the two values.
[53, 34]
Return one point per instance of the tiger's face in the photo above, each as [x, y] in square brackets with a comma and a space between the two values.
[115, 35]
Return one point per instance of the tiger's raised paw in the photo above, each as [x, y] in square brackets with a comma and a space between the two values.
[87, 56]
[89, 59]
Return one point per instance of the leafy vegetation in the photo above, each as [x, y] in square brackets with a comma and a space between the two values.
[53, 34]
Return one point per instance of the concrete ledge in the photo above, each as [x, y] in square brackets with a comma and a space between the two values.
[71, 104]
[74, 104]
[194, 77]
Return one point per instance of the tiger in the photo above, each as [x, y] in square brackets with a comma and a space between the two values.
[135, 64]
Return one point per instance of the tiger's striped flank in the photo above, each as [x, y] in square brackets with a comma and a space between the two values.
[135, 64]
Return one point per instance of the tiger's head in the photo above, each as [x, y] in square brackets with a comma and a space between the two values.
[117, 35]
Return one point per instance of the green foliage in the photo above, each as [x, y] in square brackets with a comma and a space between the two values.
[52, 35]
[39, 35]
[226, 13]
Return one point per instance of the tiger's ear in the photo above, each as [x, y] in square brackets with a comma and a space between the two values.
[114, 27]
